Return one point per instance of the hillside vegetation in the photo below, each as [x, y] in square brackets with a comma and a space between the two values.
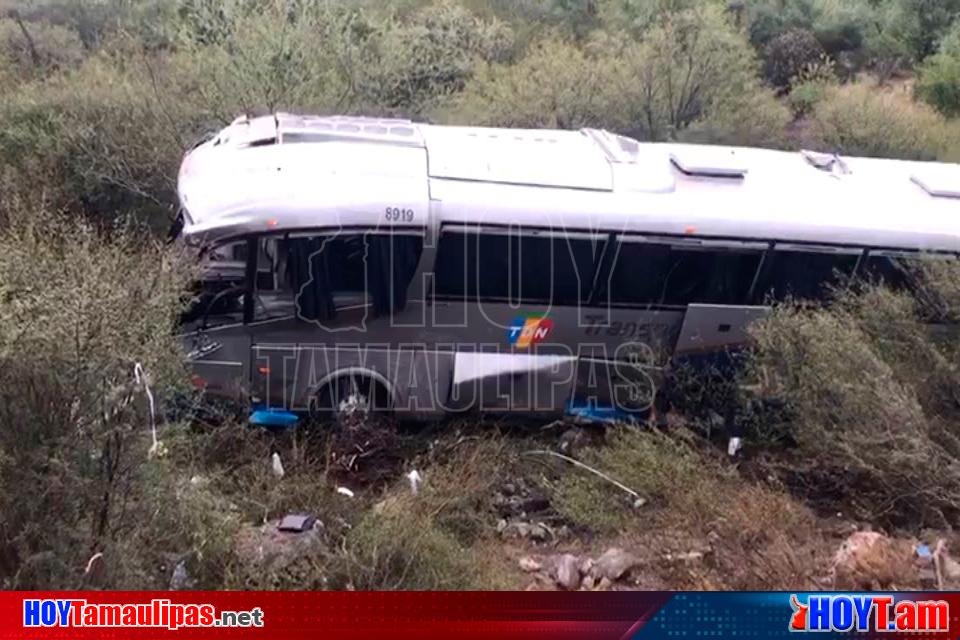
[101, 99]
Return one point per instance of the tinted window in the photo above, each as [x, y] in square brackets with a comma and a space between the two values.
[471, 265]
[514, 267]
[558, 270]
[312, 276]
[893, 271]
[802, 275]
[655, 273]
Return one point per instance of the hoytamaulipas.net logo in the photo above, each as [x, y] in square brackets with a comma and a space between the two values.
[867, 613]
[59, 612]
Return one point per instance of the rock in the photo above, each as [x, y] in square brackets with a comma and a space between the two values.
[604, 584]
[269, 549]
[613, 564]
[508, 489]
[689, 556]
[949, 566]
[572, 441]
[639, 503]
[870, 561]
[587, 583]
[534, 504]
[529, 564]
[539, 533]
[533, 531]
[567, 571]
[586, 566]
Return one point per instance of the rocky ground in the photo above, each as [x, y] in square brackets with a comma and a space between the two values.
[514, 510]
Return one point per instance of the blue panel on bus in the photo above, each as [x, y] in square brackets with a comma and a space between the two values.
[273, 418]
[592, 413]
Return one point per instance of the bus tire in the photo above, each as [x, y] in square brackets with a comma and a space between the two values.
[350, 399]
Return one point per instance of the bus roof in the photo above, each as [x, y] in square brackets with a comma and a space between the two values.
[287, 172]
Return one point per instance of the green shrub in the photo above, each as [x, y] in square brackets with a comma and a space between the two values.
[663, 469]
[432, 540]
[869, 393]
[38, 48]
[938, 82]
[75, 435]
[692, 69]
[556, 85]
[860, 119]
[805, 96]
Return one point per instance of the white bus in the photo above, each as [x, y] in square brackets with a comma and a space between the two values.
[426, 269]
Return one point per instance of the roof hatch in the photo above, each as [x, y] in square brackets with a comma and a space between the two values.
[709, 163]
[939, 182]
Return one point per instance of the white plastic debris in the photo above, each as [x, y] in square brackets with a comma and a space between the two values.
[276, 465]
[140, 379]
[93, 561]
[733, 446]
[415, 481]
[345, 492]
[180, 579]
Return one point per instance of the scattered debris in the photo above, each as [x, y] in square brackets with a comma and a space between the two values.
[415, 481]
[297, 523]
[345, 492]
[586, 467]
[180, 580]
[95, 570]
[733, 446]
[276, 466]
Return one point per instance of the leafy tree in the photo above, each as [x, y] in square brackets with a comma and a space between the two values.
[920, 24]
[938, 83]
[788, 54]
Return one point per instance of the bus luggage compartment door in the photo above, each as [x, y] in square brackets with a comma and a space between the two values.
[712, 327]
[511, 382]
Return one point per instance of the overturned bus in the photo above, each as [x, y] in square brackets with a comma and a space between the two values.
[422, 269]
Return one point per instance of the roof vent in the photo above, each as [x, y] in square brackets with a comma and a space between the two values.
[939, 182]
[709, 163]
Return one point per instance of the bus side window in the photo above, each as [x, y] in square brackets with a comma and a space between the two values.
[314, 276]
[666, 274]
[516, 265]
[892, 270]
[802, 275]
[219, 290]
[557, 269]
[471, 265]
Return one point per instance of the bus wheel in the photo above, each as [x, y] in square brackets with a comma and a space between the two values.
[350, 401]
